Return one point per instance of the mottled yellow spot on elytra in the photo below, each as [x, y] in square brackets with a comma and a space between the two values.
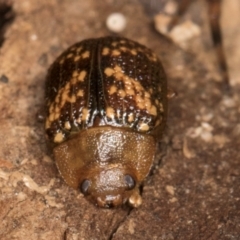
[77, 58]
[133, 52]
[79, 49]
[127, 81]
[130, 117]
[109, 71]
[114, 44]
[121, 93]
[138, 86]
[62, 61]
[67, 125]
[72, 99]
[118, 75]
[56, 116]
[64, 98]
[158, 122]
[110, 112]
[160, 106]
[82, 75]
[75, 73]
[141, 105]
[73, 81]
[85, 54]
[118, 69]
[47, 123]
[153, 59]
[124, 49]
[147, 95]
[134, 89]
[112, 89]
[130, 92]
[51, 117]
[153, 110]
[57, 110]
[69, 55]
[123, 41]
[116, 52]
[147, 103]
[143, 127]
[85, 114]
[139, 99]
[105, 51]
[51, 108]
[58, 137]
[73, 48]
[156, 102]
[67, 87]
[128, 86]
[80, 93]
[57, 99]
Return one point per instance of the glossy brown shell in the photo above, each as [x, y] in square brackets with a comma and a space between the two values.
[109, 81]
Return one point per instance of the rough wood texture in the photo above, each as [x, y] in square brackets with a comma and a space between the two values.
[194, 191]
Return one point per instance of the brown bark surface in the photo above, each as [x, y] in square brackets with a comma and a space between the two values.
[194, 190]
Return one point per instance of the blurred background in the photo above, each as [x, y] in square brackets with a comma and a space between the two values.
[193, 191]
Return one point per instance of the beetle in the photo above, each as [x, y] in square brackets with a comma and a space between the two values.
[106, 101]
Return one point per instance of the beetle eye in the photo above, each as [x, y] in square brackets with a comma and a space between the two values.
[129, 181]
[85, 186]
